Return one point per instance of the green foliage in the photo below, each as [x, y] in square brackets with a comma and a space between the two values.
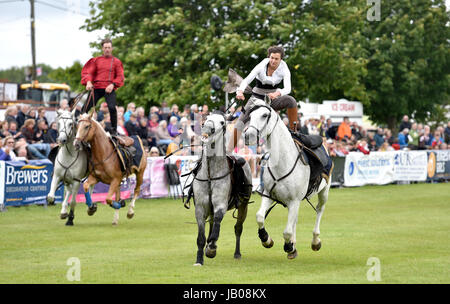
[170, 49]
[70, 75]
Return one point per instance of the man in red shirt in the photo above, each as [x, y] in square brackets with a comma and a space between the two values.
[104, 74]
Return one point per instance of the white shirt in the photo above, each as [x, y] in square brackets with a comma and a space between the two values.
[259, 72]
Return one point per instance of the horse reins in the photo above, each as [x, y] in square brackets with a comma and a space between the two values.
[270, 171]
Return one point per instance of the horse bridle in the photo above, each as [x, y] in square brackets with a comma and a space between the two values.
[87, 133]
[258, 132]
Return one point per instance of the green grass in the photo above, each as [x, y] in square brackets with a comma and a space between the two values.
[406, 227]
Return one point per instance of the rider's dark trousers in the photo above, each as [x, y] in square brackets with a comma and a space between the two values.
[111, 102]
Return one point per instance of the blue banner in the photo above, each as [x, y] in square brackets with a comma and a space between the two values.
[24, 183]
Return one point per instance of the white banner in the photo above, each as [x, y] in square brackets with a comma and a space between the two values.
[380, 168]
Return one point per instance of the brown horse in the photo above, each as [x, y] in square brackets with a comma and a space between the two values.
[104, 165]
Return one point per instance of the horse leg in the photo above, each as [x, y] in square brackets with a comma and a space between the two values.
[242, 215]
[316, 244]
[63, 215]
[73, 203]
[201, 238]
[51, 195]
[266, 240]
[211, 247]
[289, 233]
[137, 190]
[114, 188]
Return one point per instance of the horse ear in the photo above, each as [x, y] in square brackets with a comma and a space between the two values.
[59, 112]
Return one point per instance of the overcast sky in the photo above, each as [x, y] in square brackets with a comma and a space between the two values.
[59, 41]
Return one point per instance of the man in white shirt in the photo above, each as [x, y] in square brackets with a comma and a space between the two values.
[269, 74]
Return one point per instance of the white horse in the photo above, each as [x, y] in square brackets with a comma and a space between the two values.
[212, 186]
[70, 167]
[285, 177]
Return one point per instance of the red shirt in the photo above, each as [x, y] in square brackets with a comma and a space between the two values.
[102, 71]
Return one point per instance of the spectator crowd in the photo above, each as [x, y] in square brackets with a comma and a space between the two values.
[27, 134]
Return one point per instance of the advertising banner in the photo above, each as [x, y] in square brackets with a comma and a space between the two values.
[410, 166]
[438, 165]
[26, 183]
[376, 168]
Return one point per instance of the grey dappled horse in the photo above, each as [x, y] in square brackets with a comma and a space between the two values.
[212, 189]
[70, 167]
[285, 178]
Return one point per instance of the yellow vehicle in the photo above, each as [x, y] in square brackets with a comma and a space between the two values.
[48, 94]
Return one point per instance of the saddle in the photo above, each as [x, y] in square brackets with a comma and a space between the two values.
[129, 150]
[313, 153]
[124, 140]
[240, 190]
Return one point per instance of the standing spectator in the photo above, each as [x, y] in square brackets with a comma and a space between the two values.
[405, 123]
[344, 130]
[425, 139]
[154, 152]
[447, 133]
[413, 137]
[194, 112]
[356, 131]
[186, 112]
[121, 130]
[31, 114]
[164, 111]
[379, 138]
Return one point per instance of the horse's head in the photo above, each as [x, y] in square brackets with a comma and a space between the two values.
[85, 129]
[213, 128]
[262, 121]
[66, 125]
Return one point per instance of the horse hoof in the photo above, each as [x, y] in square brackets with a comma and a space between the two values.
[91, 210]
[115, 223]
[130, 215]
[292, 255]
[210, 253]
[316, 247]
[63, 216]
[237, 256]
[50, 200]
[268, 243]
[69, 224]
[198, 264]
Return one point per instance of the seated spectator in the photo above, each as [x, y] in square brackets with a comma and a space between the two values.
[102, 111]
[140, 113]
[121, 130]
[52, 134]
[437, 140]
[173, 126]
[187, 132]
[344, 131]
[27, 130]
[174, 112]
[425, 139]
[21, 115]
[154, 152]
[162, 134]
[385, 147]
[403, 138]
[341, 150]
[40, 131]
[131, 125]
[41, 115]
[363, 147]
[106, 122]
[142, 130]
[131, 107]
[443, 146]
[4, 126]
[12, 129]
[4, 151]
[11, 113]
[9, 144]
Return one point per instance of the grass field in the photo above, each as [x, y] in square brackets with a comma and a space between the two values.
[405, 226]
